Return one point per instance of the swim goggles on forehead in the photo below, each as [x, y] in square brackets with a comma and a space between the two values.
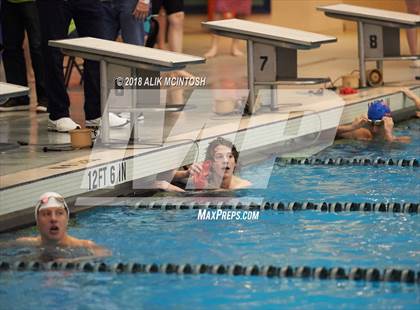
[51, 202]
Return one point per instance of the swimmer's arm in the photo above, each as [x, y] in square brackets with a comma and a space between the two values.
[389, 135]
[28, 241]
[247, 184]
[193, 169]
[9, 244]
[23, 241]
[181, 174]
[343, 129]
[410, 94]
[96, 250]
[168, 187]
[402, 139]
[358, 134]
[358, 123]
[244, 184]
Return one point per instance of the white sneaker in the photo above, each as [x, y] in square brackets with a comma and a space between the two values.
[63, 124]
[114, 121]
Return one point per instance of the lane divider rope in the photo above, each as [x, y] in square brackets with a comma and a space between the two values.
[314, 161]
[338, 273]
[405, 207]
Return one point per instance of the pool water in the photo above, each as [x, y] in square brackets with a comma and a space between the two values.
[343, 183]
[278, 238]
[316, 239]
[351, 149]
[57, 290]
[335, 183]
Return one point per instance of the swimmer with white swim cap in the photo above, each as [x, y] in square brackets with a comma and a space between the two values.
[52, 215]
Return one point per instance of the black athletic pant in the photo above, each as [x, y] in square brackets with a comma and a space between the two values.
[15, 19]
[55, 16]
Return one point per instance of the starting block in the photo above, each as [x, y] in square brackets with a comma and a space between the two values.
[378, 33]
[8, 90]
[271, 53]
[119, 61]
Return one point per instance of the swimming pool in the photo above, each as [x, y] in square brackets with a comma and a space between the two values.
[306, 238]
[278, 238]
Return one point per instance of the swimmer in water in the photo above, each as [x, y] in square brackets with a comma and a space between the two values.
[378, 125]
[217, 171]
[52, 216]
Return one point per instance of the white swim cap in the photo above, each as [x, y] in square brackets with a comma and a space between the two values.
[50, 200]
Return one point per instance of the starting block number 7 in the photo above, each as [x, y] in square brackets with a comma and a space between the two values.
[264, 62]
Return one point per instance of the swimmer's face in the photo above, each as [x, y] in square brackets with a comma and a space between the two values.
[52, 223]
[224, 161]
[376, 126]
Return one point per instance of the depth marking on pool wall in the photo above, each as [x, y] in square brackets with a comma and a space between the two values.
[107, 175]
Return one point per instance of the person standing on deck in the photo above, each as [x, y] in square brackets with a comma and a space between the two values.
[18, 17]
[55, 17]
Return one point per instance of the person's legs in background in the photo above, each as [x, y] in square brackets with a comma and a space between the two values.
[175, 12]
[212, 52]
[132, 29]
[88, 17]
[152, 33]
[230, 9]
[54, 16]
[13, 58]
[33, 30]
[111, 20]
[118, 15]
[215, 42]
[234, 48]
[176, 31]
[171, 12]
[163, 25]
[413, 7]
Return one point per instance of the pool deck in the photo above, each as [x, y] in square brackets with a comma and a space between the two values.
[27, 171]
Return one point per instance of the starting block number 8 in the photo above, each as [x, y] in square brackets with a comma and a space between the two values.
[374, 46]
[373, 41]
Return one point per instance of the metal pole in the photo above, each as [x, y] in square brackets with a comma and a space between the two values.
[361, 45]
[134, 136]
[273, 95]
[250, 58]
[380, 66]
[104, 96]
